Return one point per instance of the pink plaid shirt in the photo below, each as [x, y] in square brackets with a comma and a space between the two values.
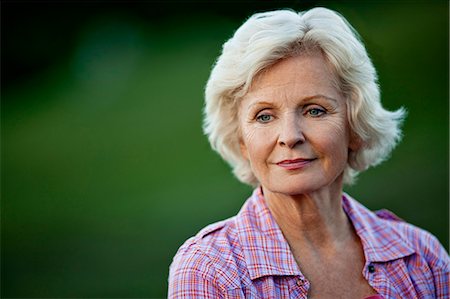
[247, 256]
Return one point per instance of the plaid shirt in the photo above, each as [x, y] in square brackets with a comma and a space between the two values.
[247, 256]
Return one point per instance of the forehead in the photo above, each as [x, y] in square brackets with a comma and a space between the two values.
[301, 75]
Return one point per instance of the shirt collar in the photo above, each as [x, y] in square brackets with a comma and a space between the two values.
[267, 252]
[382, 241]
[265, 249]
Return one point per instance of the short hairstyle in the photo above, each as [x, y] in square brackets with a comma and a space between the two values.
[266, 38]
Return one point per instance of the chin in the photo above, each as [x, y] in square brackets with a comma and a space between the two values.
[297, 185]
[292, 187]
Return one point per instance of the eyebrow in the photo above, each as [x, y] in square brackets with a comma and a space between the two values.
[319, 96]
[305, 99]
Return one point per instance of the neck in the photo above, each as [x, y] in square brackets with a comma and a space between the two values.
[314, 219]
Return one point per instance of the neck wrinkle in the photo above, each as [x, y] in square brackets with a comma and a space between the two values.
[315, 220]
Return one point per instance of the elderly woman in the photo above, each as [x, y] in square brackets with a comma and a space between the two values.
[293, 105]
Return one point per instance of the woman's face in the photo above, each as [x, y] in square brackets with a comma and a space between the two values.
[293, 127]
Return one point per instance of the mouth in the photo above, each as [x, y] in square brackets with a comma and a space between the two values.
[295, 163]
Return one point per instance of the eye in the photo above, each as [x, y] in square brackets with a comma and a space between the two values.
[264, 118]
[315, 112]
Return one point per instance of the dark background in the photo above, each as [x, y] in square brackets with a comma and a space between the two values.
[105, 171]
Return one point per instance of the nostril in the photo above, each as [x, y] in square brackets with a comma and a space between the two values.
[291, 140]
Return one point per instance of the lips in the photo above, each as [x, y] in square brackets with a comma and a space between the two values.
[294, 164]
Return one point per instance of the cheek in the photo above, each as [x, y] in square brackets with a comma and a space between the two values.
[256, 143]
[332, 139]
[341, 139]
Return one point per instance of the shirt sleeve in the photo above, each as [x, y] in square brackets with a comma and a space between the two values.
[440, 266]
[442, 284]
[192, 275]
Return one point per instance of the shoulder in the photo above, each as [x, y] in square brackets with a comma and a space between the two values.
[421, 241]
[207, 261]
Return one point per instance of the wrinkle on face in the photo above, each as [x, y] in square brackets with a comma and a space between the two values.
[285, 92]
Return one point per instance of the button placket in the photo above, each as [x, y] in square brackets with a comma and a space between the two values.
[370, 273]
[303, 284]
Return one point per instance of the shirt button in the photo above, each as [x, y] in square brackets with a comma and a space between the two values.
[371, 268]
[300, 282]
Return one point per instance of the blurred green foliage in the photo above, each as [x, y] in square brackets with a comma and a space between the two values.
[105, 170]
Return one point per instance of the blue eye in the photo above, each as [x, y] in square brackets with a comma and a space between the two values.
[315, 112]
[264, 118]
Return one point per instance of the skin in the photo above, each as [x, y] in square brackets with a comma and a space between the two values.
[294, 110]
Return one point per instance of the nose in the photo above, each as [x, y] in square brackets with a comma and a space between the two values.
[291, 132]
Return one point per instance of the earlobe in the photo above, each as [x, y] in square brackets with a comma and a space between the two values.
[355, 142]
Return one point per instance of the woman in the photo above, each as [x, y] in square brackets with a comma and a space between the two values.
[293, 105]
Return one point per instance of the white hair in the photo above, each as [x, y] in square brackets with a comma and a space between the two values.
[266, 38]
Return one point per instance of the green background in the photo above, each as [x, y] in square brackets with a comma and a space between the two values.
[105, 170]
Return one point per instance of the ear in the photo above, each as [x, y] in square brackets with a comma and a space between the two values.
[355, 142]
